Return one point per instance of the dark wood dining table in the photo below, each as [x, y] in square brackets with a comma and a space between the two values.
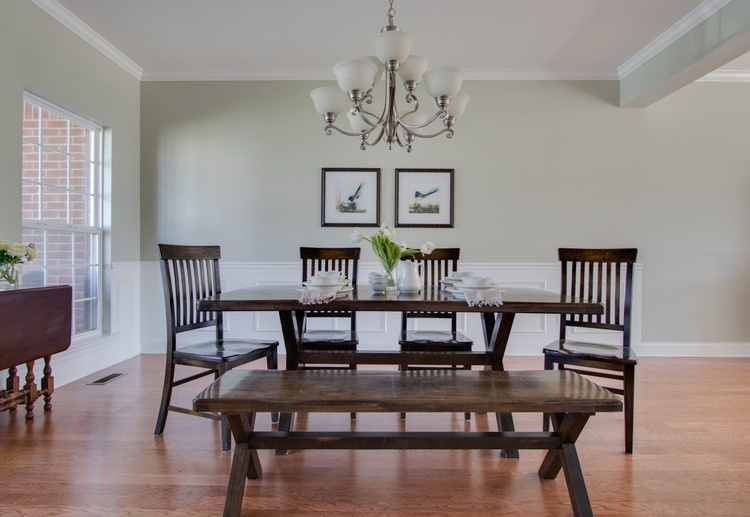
[497, 322]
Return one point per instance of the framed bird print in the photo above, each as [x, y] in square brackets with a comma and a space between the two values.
[350, 197]
[424, 198]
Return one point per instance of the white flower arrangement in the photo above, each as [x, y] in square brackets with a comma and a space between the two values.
[387, 250]
[12, 254]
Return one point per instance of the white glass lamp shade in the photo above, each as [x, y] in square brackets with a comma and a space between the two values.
[355, 120]
[443, 80]
[415, 118]
[392, 45]
[355, 74]
[380, 66]
[413, 68]
[329, 99]
[458, 105]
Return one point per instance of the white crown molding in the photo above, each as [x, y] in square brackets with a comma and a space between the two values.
[679, 29]
[69, 20]
[726, 76]
[85, 32]
[309, 74]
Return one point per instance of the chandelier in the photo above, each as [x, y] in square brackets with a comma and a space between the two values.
[358, 77]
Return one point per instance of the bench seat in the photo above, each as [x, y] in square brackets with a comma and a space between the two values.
[570, 398]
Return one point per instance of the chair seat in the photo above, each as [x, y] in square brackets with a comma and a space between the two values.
[330, 339]
[434, 341]
[227, 351]
[608, 353]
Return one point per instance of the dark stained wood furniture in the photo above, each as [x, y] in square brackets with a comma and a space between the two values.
[35, 323]
[346, 261]
[441, 263]
[604, 276]
[190, 273]
[572, 399]
[496, 321]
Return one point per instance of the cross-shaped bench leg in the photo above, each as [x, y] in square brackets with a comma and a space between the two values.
[245, 462]
[569, 427]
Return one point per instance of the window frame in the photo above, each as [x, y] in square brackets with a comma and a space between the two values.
[93, 158]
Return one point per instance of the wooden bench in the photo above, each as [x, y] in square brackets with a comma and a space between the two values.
[568, 397]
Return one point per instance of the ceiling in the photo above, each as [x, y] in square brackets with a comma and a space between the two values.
[303, 39]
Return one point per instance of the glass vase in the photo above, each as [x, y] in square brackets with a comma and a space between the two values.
[391, 273]
[9, 275]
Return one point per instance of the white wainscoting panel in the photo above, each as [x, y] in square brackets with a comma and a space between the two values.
[90, 353]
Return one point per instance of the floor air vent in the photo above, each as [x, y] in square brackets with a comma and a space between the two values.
[105, 380]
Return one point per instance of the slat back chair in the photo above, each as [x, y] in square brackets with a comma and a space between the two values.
[604, 276]
[345, 260]
[190, 273]
[441, 263]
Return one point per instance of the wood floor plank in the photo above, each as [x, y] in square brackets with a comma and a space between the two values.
[95, 454]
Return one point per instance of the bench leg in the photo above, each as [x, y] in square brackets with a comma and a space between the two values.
[285, 424]
[245, 462]
[579, 497]
[505, 424]
[569, 427]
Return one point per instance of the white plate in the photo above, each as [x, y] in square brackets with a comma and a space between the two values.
[461, 285]
[460, 292]
[324, 286]
[342, 291]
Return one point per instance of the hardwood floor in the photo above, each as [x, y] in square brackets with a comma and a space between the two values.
[95, 454]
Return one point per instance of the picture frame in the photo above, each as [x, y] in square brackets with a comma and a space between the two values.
[350, 197]
[424, 198]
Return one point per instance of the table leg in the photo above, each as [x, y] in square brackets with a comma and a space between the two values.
[12, 385]
[290, 325]
[496, 329]
[30, 389]
[48, 384]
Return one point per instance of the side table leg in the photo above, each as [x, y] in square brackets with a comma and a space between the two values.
[30, 390]
[48, 384]
[12, 386]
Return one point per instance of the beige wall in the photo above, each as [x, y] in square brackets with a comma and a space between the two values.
[538, 165]
[37, 53]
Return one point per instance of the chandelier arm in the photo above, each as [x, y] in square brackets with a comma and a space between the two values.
[329, 127]
[447, 130]
[439, 114]
[375, 140]
[362, 114]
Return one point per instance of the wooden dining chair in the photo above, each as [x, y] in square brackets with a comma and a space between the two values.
[604, 276]
[190, 273]
[441, 263]
[346, 261]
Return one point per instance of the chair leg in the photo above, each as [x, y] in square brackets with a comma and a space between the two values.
[403, 368]
[628, 399]
[166, 397]
[353, 416]
[272, 363]
[467, 416]
[226, 432]
[549, 364]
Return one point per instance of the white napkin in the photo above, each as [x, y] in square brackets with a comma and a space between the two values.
[315, 296]
[480, 297]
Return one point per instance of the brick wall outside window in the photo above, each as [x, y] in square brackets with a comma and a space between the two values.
[61, 204]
